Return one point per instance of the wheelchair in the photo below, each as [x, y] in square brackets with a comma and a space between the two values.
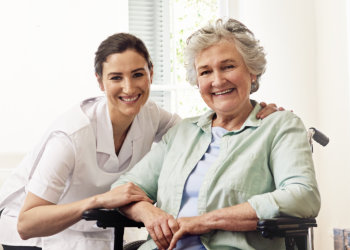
[297, 232]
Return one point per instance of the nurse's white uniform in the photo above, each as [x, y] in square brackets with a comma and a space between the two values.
[75, 160]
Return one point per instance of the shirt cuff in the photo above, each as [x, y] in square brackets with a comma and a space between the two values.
[264, 206]
[43, 192]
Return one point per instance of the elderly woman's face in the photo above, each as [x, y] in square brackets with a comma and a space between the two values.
[224, 80]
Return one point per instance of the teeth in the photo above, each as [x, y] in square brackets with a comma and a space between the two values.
[223, 92]
[129, 99]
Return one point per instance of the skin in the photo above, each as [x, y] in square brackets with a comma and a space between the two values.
[224, 83]
[126, 81]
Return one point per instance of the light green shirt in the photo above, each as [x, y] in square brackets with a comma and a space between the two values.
[267, 163]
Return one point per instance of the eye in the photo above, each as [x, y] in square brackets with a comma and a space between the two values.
[115, 78]
[138, 74]
[230, 66]
[204, 72]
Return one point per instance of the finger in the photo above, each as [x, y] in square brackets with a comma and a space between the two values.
[167, 233]
[140, 198]
[178, 235]
[264, 112]
[281, 109]
[174, 225]
[154, 237]
[263, 104]
[160, 237]
[272, 105]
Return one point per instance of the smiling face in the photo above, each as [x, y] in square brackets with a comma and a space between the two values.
[224, 80]
[126, 81]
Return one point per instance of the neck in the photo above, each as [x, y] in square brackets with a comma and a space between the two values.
[232, 121]
[120, 125]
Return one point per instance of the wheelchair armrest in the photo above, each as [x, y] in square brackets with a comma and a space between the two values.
[285, 226]
[110, 218]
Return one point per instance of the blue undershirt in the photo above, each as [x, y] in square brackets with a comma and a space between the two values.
[192, 186]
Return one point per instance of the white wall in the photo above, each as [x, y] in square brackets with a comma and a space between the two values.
[333, 100]
[47, 51]
[308, 71]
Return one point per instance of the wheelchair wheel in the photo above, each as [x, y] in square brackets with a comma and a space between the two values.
[133, 245]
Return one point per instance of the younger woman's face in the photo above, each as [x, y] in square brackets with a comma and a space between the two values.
[126, 81]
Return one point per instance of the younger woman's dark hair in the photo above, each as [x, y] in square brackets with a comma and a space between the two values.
[118, 43]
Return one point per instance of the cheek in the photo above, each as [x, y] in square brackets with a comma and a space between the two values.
[112, 89]
[203, 86]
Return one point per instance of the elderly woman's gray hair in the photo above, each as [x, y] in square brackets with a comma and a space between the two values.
[247, 45]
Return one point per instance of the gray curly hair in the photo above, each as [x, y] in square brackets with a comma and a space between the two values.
[247, 45]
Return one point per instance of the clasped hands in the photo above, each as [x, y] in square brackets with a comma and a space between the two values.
[164, 229]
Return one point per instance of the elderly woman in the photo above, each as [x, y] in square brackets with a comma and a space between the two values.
[215, 175]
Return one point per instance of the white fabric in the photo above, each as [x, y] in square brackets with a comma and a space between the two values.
[76, 159]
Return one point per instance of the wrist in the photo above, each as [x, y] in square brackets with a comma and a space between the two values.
[94, 202]
[138, 211]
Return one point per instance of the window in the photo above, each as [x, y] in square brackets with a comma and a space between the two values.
[148, 20]
[164, 26]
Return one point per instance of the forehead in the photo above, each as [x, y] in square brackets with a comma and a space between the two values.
[125, 61]
[225, 50]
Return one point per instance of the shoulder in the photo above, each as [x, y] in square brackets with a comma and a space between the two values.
[152, 113]
[151, 108]
[279, 118]
[283, 123]
[78, 117]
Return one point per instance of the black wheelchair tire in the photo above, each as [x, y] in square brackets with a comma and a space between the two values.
[133, 245]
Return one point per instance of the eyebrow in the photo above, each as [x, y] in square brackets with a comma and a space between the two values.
[133, 71]
[222, 62]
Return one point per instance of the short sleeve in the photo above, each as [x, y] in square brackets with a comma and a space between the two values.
[54, 168]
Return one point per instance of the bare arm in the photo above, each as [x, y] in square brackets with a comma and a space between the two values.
[241, 217]
[39, 217]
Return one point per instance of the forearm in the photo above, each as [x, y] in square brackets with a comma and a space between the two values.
[39, 217]
[241, 217]
[50, 219]
[136, 211]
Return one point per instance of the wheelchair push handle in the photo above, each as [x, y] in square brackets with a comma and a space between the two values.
[318, 136]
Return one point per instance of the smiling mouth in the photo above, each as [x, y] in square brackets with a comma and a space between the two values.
[130, 99]
[223, 92]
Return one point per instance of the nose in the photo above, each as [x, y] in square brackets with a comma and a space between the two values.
[219, 78]
[127, 85]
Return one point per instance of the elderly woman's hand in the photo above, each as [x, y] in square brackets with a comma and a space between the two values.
[160, 225]
[267, 109]
[189, 225]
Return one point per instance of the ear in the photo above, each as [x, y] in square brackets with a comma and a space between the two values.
[100, 82]
[253, 78]
[151, 74]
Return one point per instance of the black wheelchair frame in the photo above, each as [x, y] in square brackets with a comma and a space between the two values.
[294, 230]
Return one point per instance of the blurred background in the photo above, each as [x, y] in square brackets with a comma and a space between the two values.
[46, 64]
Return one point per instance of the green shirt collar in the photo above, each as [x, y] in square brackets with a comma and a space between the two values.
[204, 121]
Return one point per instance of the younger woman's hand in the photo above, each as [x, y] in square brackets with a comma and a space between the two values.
[267, 109]
[121, 196]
